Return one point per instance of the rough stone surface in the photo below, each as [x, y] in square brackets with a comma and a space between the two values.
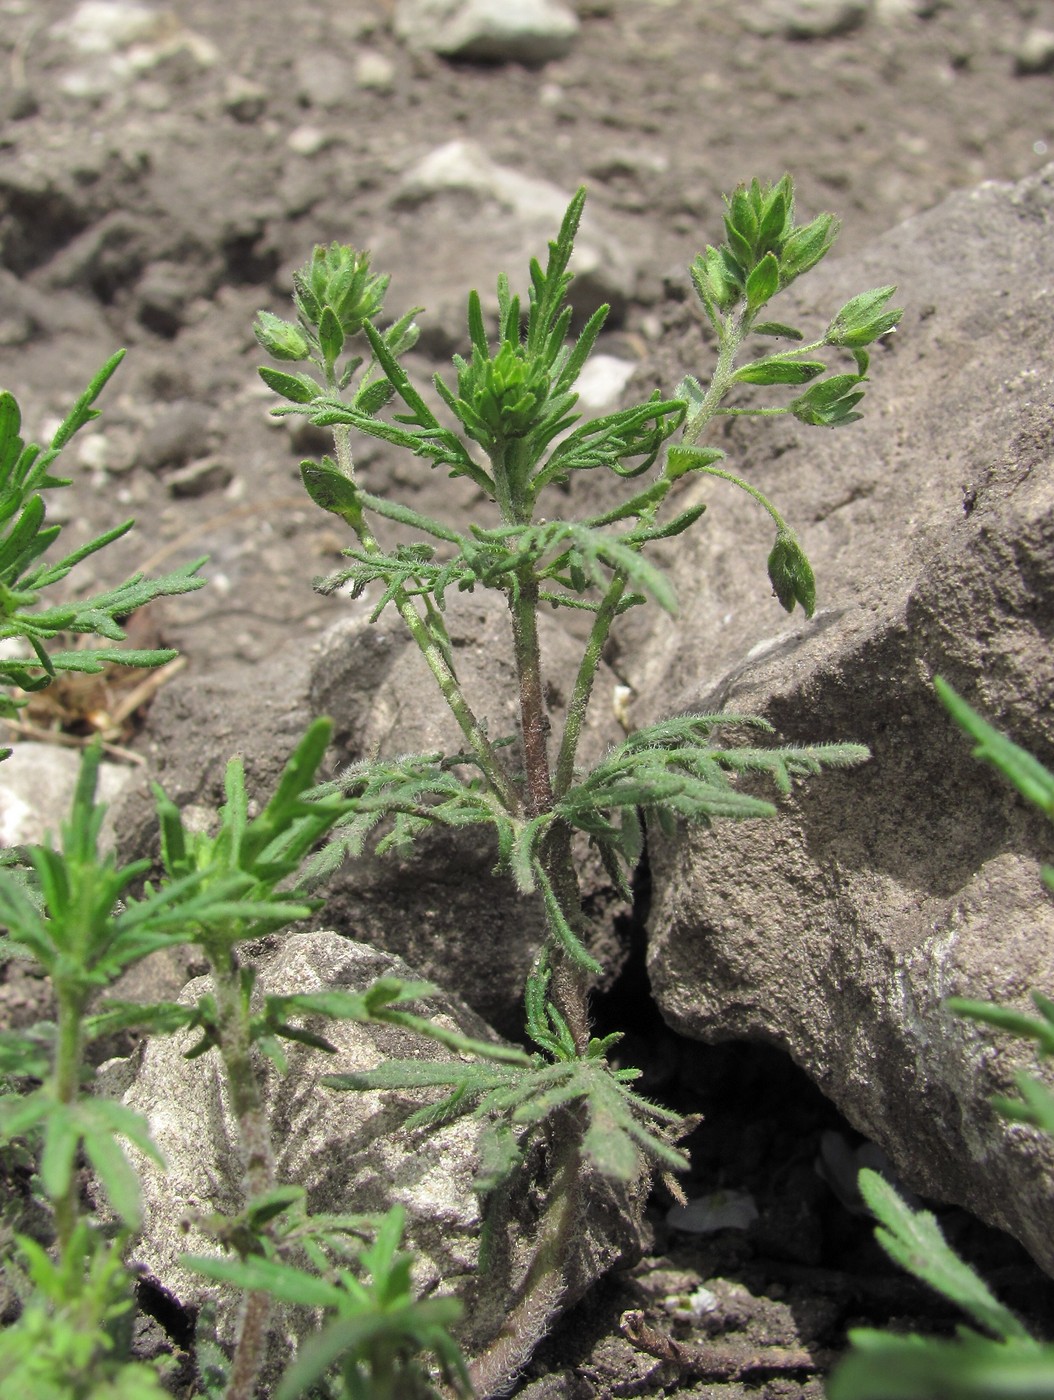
[504, 217]
[348, 1150]
[806, 19]
[495, 31]
[37, 783]
[837, 930]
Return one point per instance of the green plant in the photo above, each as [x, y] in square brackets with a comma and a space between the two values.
[517, 438]
[25, 537]
[219, 891]
[514, 406]
[1001, 1361]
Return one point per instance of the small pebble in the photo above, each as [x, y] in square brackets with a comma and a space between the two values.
[491, 31]
[806, 19]
[374, 71]
[244, 99]
[199, 478]
[1035, 53]
[307, 140]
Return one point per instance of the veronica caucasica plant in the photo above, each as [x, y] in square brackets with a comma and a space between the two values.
[510, 425]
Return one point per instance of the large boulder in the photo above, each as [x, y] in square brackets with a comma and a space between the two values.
[837, 930]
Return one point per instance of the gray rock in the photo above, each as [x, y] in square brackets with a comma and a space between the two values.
[107, 26]
[374, 71]
[495, 31]
[115, 42]
[244, 98]
[36, 787]
[348, 1150]
[323, 79]
[837, 930]
[166, 297]
[179, 433]
[1035, 53]
[498, 218]
[601, 384]
[806, 19]
[200, 478]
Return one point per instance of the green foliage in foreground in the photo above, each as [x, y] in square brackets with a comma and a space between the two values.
[218, 892]
[25, 538]
[1001, 1361]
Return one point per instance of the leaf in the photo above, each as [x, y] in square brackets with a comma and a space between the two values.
[1028, 775]
[1035, 1106]
[1005, 1019]
[117, 1177]
[805, 247]
[885, 1367]
[777, 328]
[681, 460]
[611, 1150]
[282, 339]
[829, 403]
[257, 1274]
[297, 388]
[61, 1138]
[779, 369]
[862, 320]
[330, 335]
[332, 490]
[763, 282]
[82, 411]
[913, 1240]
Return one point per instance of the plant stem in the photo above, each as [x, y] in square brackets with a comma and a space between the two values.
[534, 716]
[253, 1317]
[569, 987]
[491, 765]
[547, 1276]
[753, 491]
[583, 689]
[65, 1084]
[255, 1136]
[736, 326]
[244, 1088]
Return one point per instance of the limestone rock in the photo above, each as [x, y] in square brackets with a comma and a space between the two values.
[494, 31]
[36, 788]
[348, 1150]
[498, 218]
[837, 930]
[806, 19]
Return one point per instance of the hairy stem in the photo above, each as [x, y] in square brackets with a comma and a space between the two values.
[569, 988]
[489, 762]
[583, 689]
[534, 715]
[547, 1277]
[731, 337]
[253, 1317]
[255, 1136]
[66, 1083]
